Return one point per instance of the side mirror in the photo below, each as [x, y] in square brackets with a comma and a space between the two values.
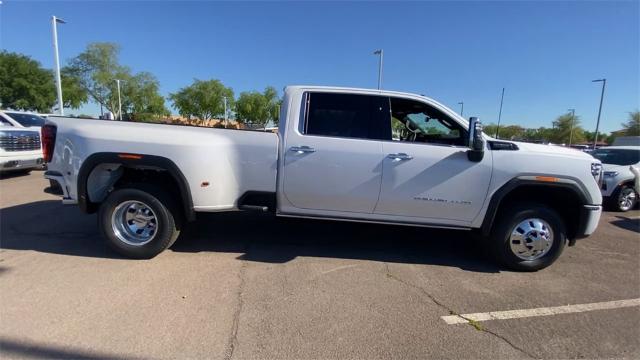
[476, 142]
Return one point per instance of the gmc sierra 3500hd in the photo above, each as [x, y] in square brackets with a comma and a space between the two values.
[340, 153]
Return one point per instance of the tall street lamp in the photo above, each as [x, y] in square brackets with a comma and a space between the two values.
[56, 59]
[119, 99]
[604, 83]
[573, 119]
[381, 53]
[500, 113]
[461, 103]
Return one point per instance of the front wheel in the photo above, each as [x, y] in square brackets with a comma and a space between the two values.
[626, 199]
[528, 237]
[139, 222]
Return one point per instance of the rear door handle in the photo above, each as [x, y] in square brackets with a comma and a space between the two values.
[400, 156]
[302, 149]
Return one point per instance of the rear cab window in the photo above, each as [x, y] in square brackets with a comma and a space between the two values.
[343, 115]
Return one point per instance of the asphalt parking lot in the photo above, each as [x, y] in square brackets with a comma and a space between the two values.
[245, 286]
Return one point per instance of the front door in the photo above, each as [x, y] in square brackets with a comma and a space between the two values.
[426, 170]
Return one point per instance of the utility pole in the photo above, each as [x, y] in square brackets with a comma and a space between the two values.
[500, 114]
[461, 103]
[604, 83]
[56, 59]
[225, 111]
[573, 119]
[119, 99]
[381, 53]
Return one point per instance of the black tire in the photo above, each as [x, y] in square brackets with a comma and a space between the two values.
[616, 202]
[506, 224]
[168, 220]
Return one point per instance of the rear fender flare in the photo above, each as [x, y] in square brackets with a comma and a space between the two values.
[132, 160]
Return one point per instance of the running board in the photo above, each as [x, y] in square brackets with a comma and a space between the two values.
[254, 208]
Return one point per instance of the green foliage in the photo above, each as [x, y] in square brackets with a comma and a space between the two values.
[141, 100]
[73, 94]
[511, 132]
[258, 108]
[632, 126]
[203, 100]
[567, 128]
[24, 85]
[96, 69]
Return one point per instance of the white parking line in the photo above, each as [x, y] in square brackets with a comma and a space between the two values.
[545, 311]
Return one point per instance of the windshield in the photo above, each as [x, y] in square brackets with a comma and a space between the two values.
[27, 120]
[617, 156]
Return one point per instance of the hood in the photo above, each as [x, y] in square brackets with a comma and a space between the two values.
[619, 168]
[554, 150]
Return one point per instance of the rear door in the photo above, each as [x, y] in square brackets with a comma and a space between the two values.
[333, 159]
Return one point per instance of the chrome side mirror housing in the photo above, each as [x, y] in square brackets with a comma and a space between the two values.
[476, 142]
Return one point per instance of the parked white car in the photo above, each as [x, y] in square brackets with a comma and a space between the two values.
[340, 154]
[618, 186]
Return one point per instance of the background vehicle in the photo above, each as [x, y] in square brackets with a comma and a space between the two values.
[617, 188]
[20, 149]
[24, 119]
[342, 154]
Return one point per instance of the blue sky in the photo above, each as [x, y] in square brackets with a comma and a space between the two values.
[544, 53]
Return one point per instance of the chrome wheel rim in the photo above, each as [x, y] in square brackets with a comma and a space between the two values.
[134, 223]
[531, 239]
[627, 199]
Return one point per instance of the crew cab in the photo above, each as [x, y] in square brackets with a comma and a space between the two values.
[341, 154]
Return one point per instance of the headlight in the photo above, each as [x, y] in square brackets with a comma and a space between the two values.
[596, 171]
[611, 173]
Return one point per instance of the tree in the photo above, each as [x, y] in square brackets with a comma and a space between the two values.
[202, 100]
[25, 85]
[96, 69]
[258, 108]
[73, 94]
[141, 100]
[632, 126]
[510, 132]
[564, 126]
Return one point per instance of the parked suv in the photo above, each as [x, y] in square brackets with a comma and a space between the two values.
[20, 149]
[617, 189]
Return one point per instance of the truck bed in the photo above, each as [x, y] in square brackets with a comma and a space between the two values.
[232, 162]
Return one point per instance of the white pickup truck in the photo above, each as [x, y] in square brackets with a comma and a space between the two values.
[340, 153]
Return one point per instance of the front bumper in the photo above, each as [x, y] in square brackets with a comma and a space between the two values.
[587, 221]
[20, 162]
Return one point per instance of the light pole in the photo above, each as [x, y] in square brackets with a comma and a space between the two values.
[500, 113]
[56, 59]
[573, 119]
[225, 111]
[604, 83]
[461, 103]
[381, 53]
[119, 99]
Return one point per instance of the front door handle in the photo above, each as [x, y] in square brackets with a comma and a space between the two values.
[400, 156]
[302, 149]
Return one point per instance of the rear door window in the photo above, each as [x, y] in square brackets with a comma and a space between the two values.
[346, 115]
